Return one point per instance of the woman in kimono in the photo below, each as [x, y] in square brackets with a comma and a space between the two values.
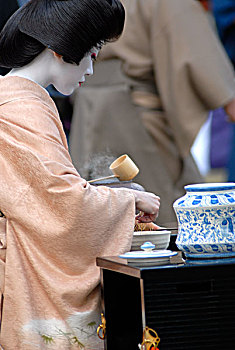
[161, 79]
[53, 223]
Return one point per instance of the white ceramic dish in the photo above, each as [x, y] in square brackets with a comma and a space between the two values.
[161, 239]
[143, 258]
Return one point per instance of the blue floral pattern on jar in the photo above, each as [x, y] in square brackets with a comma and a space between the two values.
[206, 219]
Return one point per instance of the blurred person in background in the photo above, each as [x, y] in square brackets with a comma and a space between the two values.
[151, 94]
[224, 14]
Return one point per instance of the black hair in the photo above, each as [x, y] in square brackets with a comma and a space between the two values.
[71, 28]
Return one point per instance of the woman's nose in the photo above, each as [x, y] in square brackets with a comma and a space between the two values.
[89, 70]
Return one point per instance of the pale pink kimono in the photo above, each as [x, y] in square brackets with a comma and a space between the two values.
[55, 226]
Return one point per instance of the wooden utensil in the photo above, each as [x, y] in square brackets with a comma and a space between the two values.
[123, 168]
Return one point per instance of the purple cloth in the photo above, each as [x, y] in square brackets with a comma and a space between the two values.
[221, 139]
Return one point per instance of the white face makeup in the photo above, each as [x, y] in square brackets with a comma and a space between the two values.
[70, 76]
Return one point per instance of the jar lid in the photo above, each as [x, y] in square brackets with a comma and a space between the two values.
[216, 186]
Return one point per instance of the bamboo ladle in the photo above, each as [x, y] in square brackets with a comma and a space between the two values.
[123, 168]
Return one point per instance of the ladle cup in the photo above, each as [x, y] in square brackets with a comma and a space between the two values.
[123, 168]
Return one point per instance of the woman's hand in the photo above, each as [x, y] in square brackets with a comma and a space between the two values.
[148, 204]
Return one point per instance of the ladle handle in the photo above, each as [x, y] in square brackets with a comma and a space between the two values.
[103, 178]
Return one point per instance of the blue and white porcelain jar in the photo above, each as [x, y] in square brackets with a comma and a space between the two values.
[206, 220]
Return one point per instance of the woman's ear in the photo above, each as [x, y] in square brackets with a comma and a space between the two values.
[56, 55]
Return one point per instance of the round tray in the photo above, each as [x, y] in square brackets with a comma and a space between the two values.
[143, 258]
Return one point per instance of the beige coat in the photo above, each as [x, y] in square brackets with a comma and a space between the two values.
[151, 93]
[55, 226]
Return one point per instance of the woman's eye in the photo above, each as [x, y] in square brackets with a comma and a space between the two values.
[93, 57]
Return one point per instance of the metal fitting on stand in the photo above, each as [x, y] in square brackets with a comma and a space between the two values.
[101, 330]
[150, 340]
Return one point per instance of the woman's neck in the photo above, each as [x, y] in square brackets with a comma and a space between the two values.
[39, 70]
